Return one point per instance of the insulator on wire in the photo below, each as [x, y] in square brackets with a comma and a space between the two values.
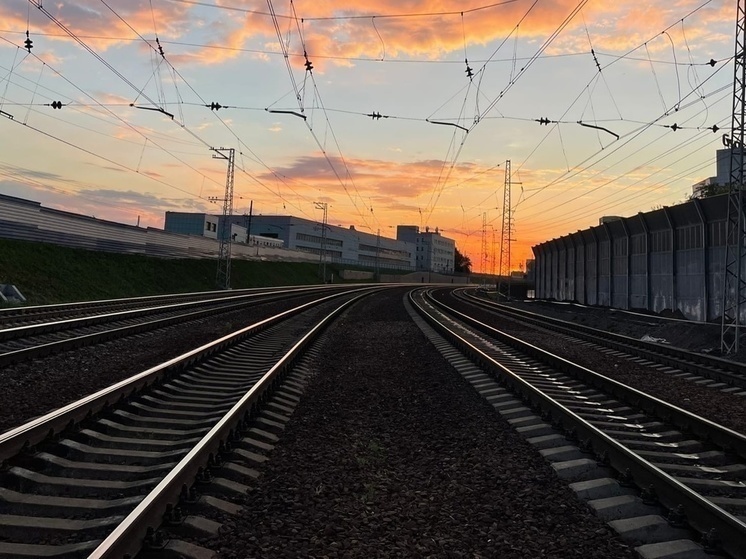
[160, 48]
[28, 43]
[56, 104]
[215, 106]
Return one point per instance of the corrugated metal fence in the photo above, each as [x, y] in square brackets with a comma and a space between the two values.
[668, 259]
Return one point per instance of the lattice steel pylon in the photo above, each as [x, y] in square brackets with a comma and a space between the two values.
[223, 278]
[734, 287]
[322, 253]
[503, 286]
[484, 254]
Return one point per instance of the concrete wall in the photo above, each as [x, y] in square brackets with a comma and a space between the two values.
[425, 277]
[356, 275]
[669, 259]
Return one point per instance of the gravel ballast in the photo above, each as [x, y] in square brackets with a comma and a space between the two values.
[390, 453]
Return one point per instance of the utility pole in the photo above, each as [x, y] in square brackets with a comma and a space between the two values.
[492, 253]
[248, 221]
[378, 249]
[503, 287]
[223, 279]
[734, 287]
[322, 254]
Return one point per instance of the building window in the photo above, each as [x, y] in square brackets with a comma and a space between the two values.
[317, 239]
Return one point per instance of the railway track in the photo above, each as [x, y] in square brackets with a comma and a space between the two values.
[14, 316]
[729, 376]
[680, 477]
[96, 477]
[53, 330]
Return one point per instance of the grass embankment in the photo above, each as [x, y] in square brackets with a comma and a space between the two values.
[47, 274]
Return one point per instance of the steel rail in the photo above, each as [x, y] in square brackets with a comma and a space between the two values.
[730, 372]
[35, 431]
[75, 342]
[16, 311]
[727, 439]
[27, 330]
[701, 514]
[127, 537]
[19, 315]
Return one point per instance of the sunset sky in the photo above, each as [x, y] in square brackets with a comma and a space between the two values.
[647, 80]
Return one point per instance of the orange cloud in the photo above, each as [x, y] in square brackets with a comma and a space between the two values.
[365, 30]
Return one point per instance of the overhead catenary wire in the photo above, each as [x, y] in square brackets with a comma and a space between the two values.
[112, 114]
[388, 60]
[641, 165]
[614, 61]
[159, 50]
[345, 17]
[597, 157]
[594, 121]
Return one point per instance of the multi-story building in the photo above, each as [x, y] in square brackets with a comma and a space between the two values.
[206, 225]
[721, 181]
[433, 251]
[338, 244]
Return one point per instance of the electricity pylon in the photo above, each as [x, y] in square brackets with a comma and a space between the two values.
[503, 286]
[223, 278]
[734, 287]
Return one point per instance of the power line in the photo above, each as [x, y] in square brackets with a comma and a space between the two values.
[426, 61]
[294, 17]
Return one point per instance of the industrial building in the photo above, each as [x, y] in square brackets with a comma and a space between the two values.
[671, 259]
[205, 225]
[339, 244]
[412, 250]
[720, 182]
[433, 252]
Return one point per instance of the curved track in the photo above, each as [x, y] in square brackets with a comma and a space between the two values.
[691, 468]
[14, 316]
[722, 372]
[93, 478]
[105, 320]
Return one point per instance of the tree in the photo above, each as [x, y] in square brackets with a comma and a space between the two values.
[462, 263]
[710, 190]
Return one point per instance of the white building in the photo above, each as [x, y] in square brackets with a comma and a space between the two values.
[721, 179]
[339, 244]
[412, 250]
[433, 251]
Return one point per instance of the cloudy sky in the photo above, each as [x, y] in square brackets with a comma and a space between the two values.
[408, 116]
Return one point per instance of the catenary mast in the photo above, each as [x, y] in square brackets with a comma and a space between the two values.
[734, 287]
